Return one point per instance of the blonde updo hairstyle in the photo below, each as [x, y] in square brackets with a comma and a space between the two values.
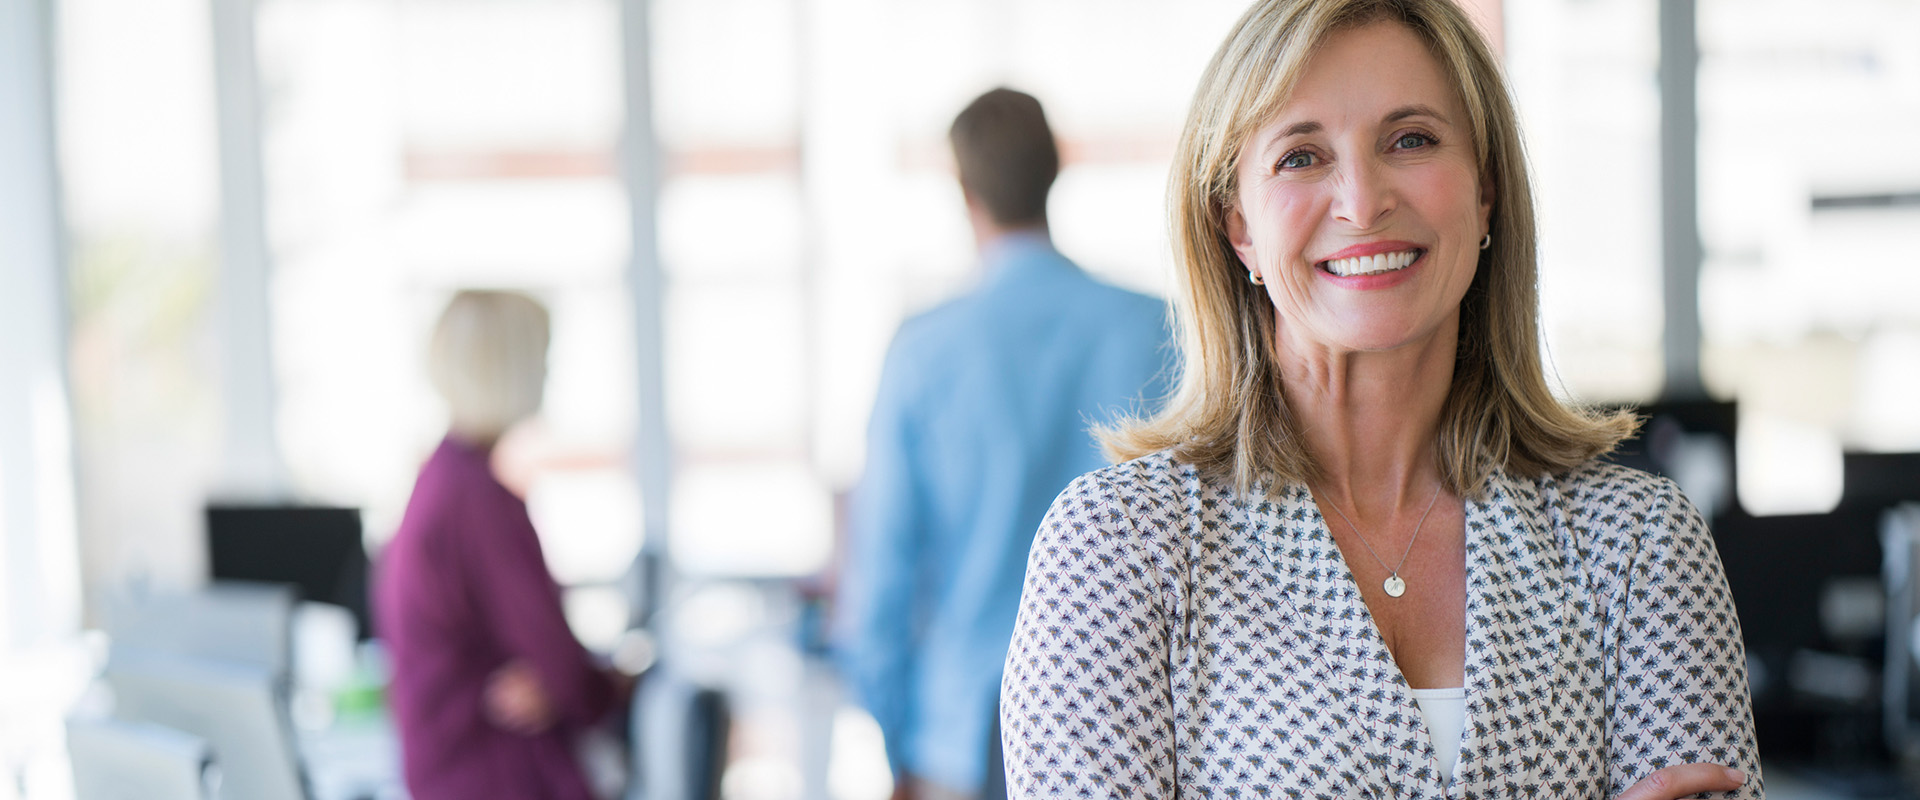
[488, 360]
[1229, 415]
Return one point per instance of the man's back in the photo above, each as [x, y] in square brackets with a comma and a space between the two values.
[982, 418]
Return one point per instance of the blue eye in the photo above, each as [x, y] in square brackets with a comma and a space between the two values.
[1298, 159]
[1412, 141]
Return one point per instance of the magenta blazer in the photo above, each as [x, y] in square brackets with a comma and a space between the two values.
[460, 591]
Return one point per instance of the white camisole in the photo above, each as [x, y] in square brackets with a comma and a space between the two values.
[1445, 711]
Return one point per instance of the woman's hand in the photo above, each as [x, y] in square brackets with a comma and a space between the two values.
[1685, 780]
[516, 702]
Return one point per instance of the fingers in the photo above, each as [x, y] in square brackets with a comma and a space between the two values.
[1684, 780]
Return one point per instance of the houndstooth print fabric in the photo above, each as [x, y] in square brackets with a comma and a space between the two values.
[1176, 640]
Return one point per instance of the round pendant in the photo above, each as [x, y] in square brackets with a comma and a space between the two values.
[1394, 586]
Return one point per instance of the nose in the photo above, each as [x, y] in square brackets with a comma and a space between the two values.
[1365, 195]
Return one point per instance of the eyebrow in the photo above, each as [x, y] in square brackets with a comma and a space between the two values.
[1299, 128]
[1296, 129]
[1416, 110]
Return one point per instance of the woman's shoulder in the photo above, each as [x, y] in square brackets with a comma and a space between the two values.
[1152, 479]
[1608, 488]
[1134, 515]
[1144, 493]
[457, 498]
[1617, 512]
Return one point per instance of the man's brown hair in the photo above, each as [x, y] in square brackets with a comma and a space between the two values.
[1006, 155]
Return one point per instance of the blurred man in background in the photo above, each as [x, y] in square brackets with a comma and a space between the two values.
[982, 418]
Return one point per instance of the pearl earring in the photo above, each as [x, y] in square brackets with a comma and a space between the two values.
[1255, 279]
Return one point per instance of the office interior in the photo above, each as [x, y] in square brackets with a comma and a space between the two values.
[227, 225]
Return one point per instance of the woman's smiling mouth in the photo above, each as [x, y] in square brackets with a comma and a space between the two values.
[1373, 264]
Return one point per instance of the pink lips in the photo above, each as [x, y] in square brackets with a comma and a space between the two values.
[1370, 249]
[1384, 280]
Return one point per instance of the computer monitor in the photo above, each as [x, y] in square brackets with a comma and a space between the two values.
[1880, 479]
[318, 549]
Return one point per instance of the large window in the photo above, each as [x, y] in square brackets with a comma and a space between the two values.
[138, 167]
[1810, 292]
[417, 148]
[1583, 77]
[808, 206]
[1809, 296]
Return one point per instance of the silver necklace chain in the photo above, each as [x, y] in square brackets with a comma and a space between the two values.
[1394, 584]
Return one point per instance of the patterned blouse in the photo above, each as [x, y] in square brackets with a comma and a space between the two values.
[1176, 641]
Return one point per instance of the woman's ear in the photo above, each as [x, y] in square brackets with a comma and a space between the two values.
[1237, 235]
[1486, 199]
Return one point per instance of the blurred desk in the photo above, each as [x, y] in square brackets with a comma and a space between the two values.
[357, 757]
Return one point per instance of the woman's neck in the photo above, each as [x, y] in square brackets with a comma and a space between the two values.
[481, 443]
[1371, 418]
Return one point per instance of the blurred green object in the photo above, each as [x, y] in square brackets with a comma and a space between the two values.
[364, 695]
[360, 699]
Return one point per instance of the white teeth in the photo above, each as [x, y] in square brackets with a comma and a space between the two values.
[1369, 265]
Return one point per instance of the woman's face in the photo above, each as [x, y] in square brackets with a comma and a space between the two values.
[1361, 204]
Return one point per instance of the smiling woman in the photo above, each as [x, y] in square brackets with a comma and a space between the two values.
[1497, 611]
[1370, 165]
[1248, 99]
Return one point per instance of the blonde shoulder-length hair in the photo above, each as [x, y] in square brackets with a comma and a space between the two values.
[1229, 416]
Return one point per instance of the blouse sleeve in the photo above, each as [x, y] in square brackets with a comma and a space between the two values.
[1086, 707]
[1678, 694]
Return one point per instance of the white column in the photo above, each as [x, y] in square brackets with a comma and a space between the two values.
[39, 553]
[250, 467]
[639, 171]
[1680, 245]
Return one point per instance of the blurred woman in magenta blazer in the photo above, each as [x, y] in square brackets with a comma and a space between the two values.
[489, 687]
